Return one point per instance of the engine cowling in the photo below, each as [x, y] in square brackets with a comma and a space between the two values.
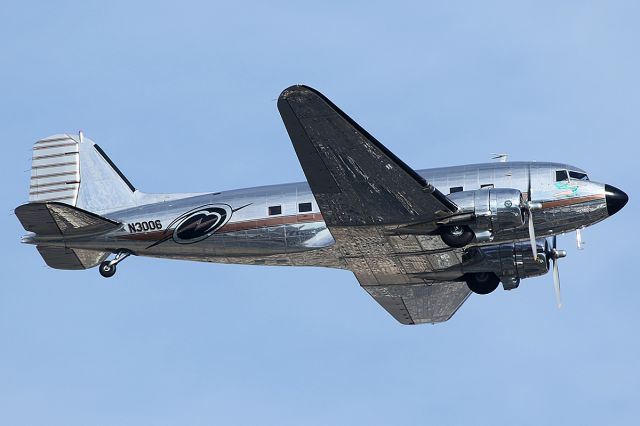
[493, 210]
[510, 262]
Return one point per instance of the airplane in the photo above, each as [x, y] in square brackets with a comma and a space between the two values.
[418, 241]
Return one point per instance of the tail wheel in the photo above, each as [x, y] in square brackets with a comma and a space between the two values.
[107, 269]
[457, 236]
[482, 282]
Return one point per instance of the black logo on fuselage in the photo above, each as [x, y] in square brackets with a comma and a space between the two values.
[197, 224]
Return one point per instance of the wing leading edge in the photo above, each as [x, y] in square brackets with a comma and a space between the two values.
[364, 191]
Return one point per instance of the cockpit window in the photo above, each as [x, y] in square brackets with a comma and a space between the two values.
[578, 175]
[561, 175]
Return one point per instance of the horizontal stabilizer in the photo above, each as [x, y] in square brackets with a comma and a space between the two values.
[64, 258]
[58, 219]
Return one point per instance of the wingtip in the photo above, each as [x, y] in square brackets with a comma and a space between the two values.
[295, 89]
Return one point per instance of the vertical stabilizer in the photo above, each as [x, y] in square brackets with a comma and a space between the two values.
[72, 169]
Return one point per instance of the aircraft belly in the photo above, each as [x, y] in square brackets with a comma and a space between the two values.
[281, 239]
[303, 244]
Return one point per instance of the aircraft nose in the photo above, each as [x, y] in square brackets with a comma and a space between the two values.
[616, 199]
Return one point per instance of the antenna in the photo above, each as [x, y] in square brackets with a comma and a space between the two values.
[81, 136]
[502, 157]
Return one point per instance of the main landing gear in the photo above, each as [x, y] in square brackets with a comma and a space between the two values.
[457, 235]
[482, 282]
[108, 267]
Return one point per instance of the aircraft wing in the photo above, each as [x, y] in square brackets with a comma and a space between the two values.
[365, 193]
[355, 179]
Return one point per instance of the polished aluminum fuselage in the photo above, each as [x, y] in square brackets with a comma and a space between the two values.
[253, 236]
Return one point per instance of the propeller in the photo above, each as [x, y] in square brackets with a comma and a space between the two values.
[579, 242]
[553, 253]
[529, 207]
[556, 254]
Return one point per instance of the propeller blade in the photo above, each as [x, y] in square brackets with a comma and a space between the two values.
[532, 236]
[579, 241]
[556, 282]
[529, 196]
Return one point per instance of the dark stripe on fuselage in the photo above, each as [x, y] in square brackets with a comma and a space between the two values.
[268, 222]
[246, 225]
[571, 201]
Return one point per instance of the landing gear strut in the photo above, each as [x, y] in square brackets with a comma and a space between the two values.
[108, 267]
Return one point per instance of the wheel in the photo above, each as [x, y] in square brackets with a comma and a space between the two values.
[482, 282]
[107, 270]
[457, 236]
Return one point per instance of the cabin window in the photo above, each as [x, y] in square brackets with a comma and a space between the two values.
[486, 186]
[304, 207]
[578, 176]
[561, 175]
[275, 210]
[455, 189]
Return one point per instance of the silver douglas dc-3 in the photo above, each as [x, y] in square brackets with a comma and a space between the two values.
[418, 241]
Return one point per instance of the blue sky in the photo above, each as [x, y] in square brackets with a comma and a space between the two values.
[182, 97]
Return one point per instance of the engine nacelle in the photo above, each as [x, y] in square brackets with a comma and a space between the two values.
[494, 210]
[510, 262]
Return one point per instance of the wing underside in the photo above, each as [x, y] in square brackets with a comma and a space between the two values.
[420, 303]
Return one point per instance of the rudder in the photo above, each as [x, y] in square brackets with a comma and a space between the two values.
[72, 169]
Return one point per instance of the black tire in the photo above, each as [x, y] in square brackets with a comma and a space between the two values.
[457, 236]
[107, 270]
[482, 282]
